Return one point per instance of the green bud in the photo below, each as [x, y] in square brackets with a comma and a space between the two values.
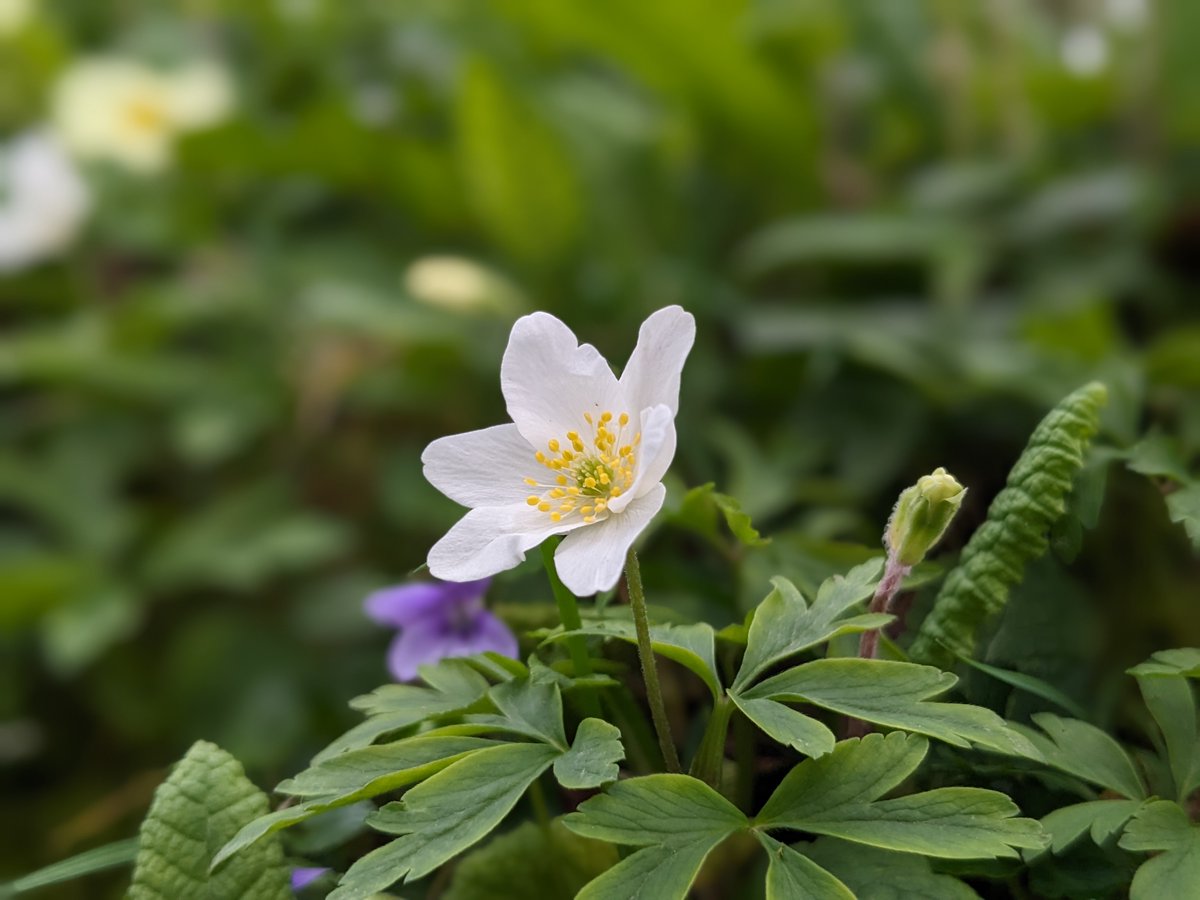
[921, 516]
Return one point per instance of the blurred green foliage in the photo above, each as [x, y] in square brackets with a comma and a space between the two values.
[906, 229]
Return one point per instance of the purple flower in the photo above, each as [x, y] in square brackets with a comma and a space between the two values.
[438, 619]
[302, 877]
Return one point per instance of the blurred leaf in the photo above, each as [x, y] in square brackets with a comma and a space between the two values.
[119, 853]
[884, 875]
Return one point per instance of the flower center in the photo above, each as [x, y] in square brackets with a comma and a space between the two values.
[144, 114]
[588, 470]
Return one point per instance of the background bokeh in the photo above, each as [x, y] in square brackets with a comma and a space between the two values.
[906, 229]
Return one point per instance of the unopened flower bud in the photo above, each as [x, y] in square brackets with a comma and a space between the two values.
[921, 516]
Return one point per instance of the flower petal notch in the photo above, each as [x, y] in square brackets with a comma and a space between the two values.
[584, 456]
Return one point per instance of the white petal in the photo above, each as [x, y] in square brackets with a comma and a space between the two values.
[652, 375]
[491, 539]
[590, 559]
[483, 468]
[654, 455]
[550, 380]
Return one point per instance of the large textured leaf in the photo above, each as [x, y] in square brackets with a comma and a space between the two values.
[1086, 752]
[885, 875]
[1163, 827]
[896, 695]
[354, 775]
[199, 808]
[1015, 533]
[837, 795]
[676, 818]
[793, 876]
[558, 862]
[785, 625]
[445, 815]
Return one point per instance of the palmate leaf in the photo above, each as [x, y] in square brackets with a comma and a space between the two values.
[1099, 818]
[895, 695]
[1086, 752]
[677, 820]
[1162, 827]
[837, 795]
[1015, 533]
[784, 624]
[202, 805]
[444, 815]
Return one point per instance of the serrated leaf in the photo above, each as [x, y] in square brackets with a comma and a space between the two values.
[593, 757]
[352, 776]
[1086, 752]
[676, 818]
[874, 874]
[788, 726]
[793, 876]
[895, 695]
[557, 861]
[1173, 706]
[199, 808]
[1175, 871]
[785, 625]
[692, 646]
[444, 815]
[837, 796]
[1099, 818]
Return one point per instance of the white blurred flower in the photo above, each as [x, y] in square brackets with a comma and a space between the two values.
[14, 14]
[43, 200]
[1127, 15]
[1084, 50]
[126, 112]
[458, 284]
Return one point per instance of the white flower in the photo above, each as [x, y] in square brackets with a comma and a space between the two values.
[584, 456]
[126, 112]
[458, 284]
[43, 200]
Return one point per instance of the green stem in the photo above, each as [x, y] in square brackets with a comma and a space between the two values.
[541, 812]
[710, 757]
[658, 712]
[568, 614]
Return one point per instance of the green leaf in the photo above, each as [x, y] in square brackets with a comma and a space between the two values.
[1174, 872]
[198, 809]
[1029, 683]
[1184, 661]
[557, 861]
[692, 646]
[874, 874]
[784, 624]
[1183, 506]
[698, 511]
[676, 818]
[896, 695]
[1101, 818]
[1173, 705]
[786, 725]
[1086, 752]
[592, 759]
[354, 775]
[444, 815]
[793, 876]
[837, 795]
[535, 708]
[98, 859]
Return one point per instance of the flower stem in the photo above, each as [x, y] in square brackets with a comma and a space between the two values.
[658, 712]
[893, 573]
[568, 614]
[710, 757]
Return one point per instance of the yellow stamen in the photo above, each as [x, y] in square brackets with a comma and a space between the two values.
[544, 506]
[532, 501]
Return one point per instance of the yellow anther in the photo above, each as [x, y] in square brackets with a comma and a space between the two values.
[555, 464]
[626, 450]
[558, 493]
[544, 506]
[573, 491]
[624, 420]
[604, 479]
[532, 500]
[589, 482]
[540, 456]
[568, 455]
[572, 436]
[555, 517]
[601, 503]
[587, 510]
[561, 479]
[589, 519]
[577, 445]
[532, 482]
[637, 439]
[606, 417]
[566, 507]
[553, 445]
[616, 492]
[588, 417]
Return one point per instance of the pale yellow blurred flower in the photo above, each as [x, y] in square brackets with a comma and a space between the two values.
[459, 284]
[126, 112]
[13, 15]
